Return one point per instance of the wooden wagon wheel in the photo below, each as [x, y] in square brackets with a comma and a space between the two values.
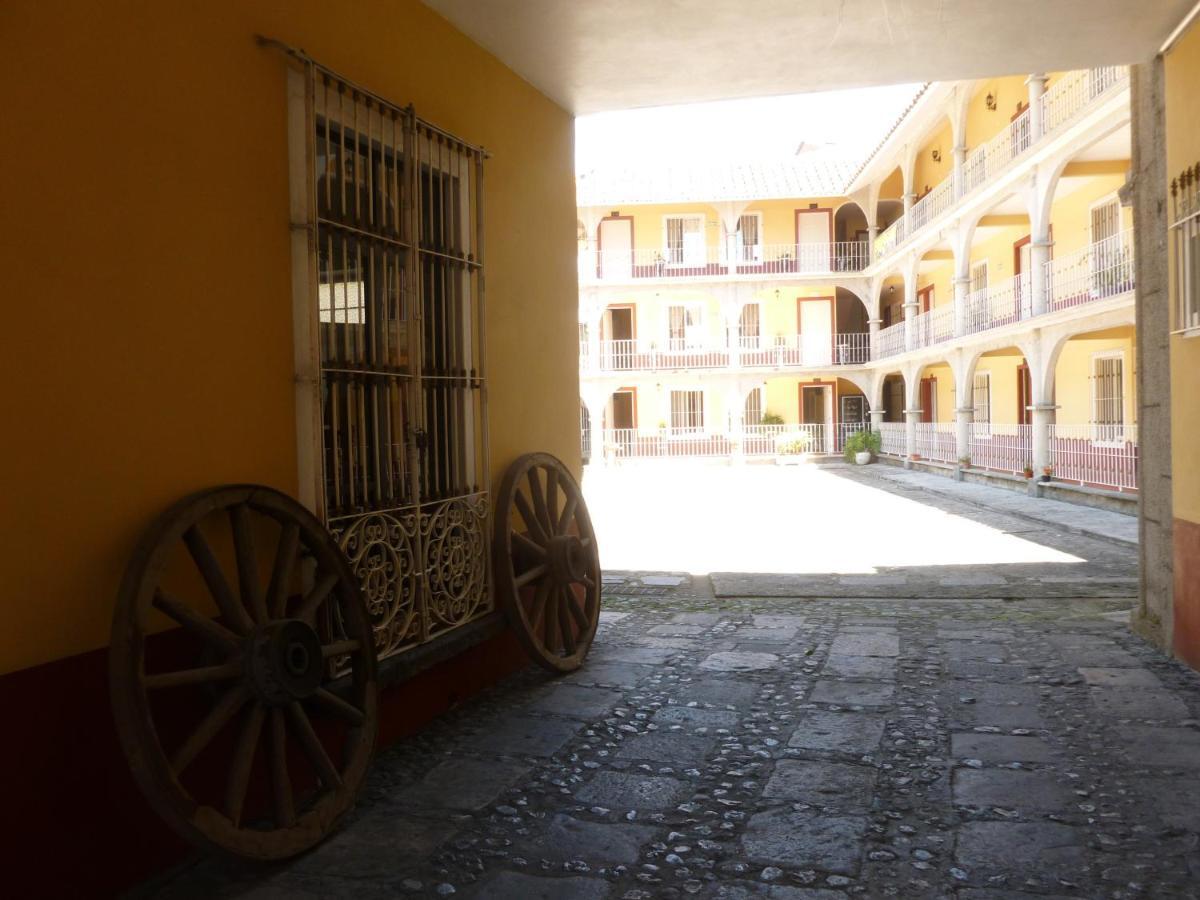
[228, 721]
[546, 563]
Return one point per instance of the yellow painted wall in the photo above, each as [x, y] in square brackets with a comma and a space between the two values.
[1182, 74]
[1070, 214]
[982, 123]
[1003, 371]
[940, 274]
[1072, 376]
[944, 411]
[928, 174]
[996, 246]
[145, 228]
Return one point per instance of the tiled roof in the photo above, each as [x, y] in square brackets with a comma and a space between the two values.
[810, 175]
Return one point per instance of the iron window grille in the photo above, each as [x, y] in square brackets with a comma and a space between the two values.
[1185, 245]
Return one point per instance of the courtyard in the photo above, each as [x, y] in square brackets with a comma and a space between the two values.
[905, 687]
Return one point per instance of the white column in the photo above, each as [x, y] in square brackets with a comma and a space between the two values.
[960, 160]
[908, 200]
[1039, 256]
[962, 431]
[876, 419]
[910, 308]
[911, 418]
[735, 406]
[1037, 86]
[594, 401]
[873, 336]
[1043, 418]
[962, 290]
[872, 234]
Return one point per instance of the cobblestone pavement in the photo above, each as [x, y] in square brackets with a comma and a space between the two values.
[794, 748]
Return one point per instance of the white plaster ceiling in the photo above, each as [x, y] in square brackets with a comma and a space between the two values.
[620, 54]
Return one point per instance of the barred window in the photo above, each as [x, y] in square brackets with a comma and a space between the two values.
[687, 411]
[750, 239]
[982, 397]
[979, 276]
[1108, 397]
[750, 325]
[1185, 241]
[752, 412]
[683, 327]
[685, 240]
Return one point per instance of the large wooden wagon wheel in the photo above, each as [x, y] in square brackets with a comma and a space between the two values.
[546, 563]
[224, 692]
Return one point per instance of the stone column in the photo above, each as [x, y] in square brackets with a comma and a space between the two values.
[960, 160]
[872, 234]
[910, 308]
[1039, 255]
[911, 418]
[876, 419]
[873, 336]
[1037, 86]
[735, 407]
[1043, 418]
[962, 290]
[962, 430]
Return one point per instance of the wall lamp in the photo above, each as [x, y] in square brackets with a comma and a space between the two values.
[936, 153]
[991, 101]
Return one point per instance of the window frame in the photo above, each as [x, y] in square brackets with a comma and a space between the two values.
[687, 306]
[684, 262]
[674, 431]
[1097, 428]
[757, 256]
[986, 375]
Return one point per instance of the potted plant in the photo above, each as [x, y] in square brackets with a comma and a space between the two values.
[1047, 472]
[862, 446]
[770, 418]
[964, 462]
[1028, 470]
[792, 448]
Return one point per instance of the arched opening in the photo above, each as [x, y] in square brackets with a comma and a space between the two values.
[585, 433]
[853, 411]
[999, 436]
[850, 230]
[935, 398]
[891, 317]
[999, 266]
[852, 338]
[935, 296]
[1093, 440]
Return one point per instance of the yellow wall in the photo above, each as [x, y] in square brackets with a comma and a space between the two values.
[939, 273]
[982, 123]
[928, 174]
[944, 411]
[1003, 371]
[1070, 214]
[146, 231]
[1073, 374]
[1183, 149]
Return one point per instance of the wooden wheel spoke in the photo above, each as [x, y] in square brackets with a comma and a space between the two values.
[216, 719]
[281, 784]
[532, 574]
[340, 648]
[539, 607]
[339, 707]
[564, 623]
[532, 525]
[201, 675]
[247, 564]
[568, 513]
[550, 634]
[539, 500]
[313, 599]
[586, 581]
[234, 613]
[311, 744]
[285, 561]
[576, 610]
[243, 761]
[208, 629]
[521, 540]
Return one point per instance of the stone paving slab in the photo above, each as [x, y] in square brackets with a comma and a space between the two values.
[812, 774]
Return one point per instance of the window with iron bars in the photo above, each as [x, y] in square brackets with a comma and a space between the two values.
[1185, 249]
[392, 207]
[1108, 397]
[687, 412]
[982, 399]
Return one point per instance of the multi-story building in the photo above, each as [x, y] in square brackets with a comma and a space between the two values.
[967, 291]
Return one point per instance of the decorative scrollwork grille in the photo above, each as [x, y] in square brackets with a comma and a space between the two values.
[395, 215]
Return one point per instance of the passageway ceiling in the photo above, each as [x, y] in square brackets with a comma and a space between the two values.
[620, 54]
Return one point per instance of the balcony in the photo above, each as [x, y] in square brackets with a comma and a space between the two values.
[1069, 98]
[717, 262]
[1099, 271]
[792, 351]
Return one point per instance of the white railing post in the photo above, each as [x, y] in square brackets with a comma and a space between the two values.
[962, 431]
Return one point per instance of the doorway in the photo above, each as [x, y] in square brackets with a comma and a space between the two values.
[616, 247]
[816, 414]
[815, 326]
[814, 237]
[624, 409]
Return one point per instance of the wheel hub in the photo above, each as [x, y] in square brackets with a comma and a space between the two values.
[285, 661]
[568, 559]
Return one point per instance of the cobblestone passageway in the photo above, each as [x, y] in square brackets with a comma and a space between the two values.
[802, 738]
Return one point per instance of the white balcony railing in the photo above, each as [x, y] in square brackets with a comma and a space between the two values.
[1104, 456]
[1002, 303]
[934, 326]
[800, 350]
[889, 341]
[1098, 271]
[1003, 448]
[717, 261]
[937, 441]
[626, 444]
[894, 439]
[1067, 99]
